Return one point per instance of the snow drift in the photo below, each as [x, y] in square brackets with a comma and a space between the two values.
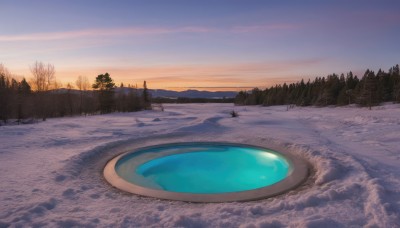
[51, 172]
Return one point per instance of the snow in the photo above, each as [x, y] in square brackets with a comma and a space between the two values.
[51, 172]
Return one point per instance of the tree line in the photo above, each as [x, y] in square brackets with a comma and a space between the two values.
[42, 97]
[187, 100]
[372, 89]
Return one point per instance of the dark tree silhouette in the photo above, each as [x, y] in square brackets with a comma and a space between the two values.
[105, 85]
[369, 90]
[43, 80]
[83, 85]
[5, 98]
[331, 90]
[146, 96]
[22, 105]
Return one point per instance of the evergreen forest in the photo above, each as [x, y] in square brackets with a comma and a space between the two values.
[41, 97]
[370, 90]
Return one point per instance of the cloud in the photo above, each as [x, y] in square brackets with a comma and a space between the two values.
[264, 28]
[234, 76]
[128, 31]
[138, 31]
[241, 75]
[81, 34]
[241, 67]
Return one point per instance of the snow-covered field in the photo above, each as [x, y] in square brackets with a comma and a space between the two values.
[51, 172]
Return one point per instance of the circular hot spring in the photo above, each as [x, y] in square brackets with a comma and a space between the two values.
[206, 172]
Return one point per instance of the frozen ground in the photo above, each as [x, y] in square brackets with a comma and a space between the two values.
[50, 173]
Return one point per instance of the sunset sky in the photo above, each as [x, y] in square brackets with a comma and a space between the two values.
[207, 44]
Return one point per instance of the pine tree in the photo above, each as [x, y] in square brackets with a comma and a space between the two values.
[23, 109]
[395, 79]
[369, 90]
[4, 97]
[105, 85]
[146, 96]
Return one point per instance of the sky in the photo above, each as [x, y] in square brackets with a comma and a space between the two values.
[206, 45]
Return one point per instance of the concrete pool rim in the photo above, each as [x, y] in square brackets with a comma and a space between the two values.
[300, 172]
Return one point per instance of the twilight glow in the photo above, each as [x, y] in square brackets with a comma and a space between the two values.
[211, 45]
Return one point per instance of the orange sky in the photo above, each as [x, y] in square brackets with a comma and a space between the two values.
[228, 77]
[199, 44]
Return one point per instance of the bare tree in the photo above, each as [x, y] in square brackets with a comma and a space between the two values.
[43, 79]
[56, 85]
[4, 71]
[43, 76]
[83, 84]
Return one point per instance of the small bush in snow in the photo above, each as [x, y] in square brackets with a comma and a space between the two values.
[234, 114]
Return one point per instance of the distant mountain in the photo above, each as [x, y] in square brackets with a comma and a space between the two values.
[192, 94]
[171, 93]
[186, 93]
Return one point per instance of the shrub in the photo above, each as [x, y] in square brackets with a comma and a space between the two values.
[234, 114]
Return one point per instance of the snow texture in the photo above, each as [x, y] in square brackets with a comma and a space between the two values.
[51, 172]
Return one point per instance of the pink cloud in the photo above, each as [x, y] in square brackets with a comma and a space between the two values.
[102, 32]
[218, 70]
[264, 28]
[234, 75]
[80, 34]
[132, 31]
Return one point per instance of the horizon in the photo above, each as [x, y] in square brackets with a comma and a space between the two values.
[182, 89]
[185, 44]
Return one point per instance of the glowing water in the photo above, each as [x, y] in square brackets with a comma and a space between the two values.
[205, 169]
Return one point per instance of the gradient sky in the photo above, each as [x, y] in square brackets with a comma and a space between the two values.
[179, 44]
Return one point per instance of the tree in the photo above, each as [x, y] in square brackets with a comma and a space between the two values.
[134, 103]
[146, 96]
[42, 80]
[83, 84]
[24, 90]
[43, 76]
[105, 85]
[104, 82]
[331, 90]
[5, 95]
[351, 83]
[242, 96]
[395, 79]
[385, 86]
[369, 90]
[69, 99]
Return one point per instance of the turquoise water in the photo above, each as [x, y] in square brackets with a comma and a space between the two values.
[204, 168]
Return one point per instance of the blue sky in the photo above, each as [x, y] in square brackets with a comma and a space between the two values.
[183, 44]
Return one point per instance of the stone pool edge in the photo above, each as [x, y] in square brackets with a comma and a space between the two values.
[300, 172]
